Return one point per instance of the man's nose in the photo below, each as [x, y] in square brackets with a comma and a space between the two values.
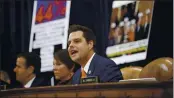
[71, 45]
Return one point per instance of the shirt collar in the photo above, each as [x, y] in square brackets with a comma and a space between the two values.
[88, 63]
[28, 85]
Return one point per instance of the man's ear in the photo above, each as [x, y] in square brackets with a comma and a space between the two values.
[31, 69]
[91, 44]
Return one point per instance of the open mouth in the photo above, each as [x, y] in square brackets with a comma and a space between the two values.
[73, 52]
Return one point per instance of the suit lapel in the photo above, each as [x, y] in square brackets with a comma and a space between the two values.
[92, 66]
[36, 82]
[77, 77]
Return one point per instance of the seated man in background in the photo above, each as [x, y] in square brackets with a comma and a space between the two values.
[27, 69]
[64, 67]
[81, 48]
[4, 77]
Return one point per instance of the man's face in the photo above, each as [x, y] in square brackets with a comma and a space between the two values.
[78, 47]
[21, 71]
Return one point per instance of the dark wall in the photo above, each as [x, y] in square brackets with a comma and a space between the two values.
[161, 36]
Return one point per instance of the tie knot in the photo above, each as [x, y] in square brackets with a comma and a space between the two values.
[83, 73]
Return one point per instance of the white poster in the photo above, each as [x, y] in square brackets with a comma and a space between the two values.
[49, 29]
[129, 31]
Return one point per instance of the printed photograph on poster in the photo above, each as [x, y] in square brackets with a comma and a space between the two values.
[50, 10]
[129, 30]
[49, 30]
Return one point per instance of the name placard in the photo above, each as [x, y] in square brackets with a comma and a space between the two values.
[91, 79]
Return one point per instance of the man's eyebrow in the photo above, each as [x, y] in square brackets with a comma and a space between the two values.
[74, 39]
[77, 39]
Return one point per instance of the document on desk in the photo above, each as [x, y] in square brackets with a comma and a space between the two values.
[139, 79]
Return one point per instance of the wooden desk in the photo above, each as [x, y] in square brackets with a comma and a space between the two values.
[143, 89]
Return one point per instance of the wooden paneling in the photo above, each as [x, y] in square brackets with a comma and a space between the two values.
[135, 89]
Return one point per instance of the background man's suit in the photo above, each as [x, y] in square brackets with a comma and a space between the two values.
[146, 29]
[40, 81]
[105, 69]
[139, 33]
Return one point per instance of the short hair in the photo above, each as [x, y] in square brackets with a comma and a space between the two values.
[32, 59]
[123, 7]
[63, 56]
[88, 34]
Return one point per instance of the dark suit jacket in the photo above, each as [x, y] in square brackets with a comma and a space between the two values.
[67, 82]
[40, 81]
[105, 69]
[139, 33]
[146, 29]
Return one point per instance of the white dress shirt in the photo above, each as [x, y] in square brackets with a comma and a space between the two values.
[88, 64]
[28, 85]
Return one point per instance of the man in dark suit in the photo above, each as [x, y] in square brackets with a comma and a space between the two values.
[146, 30]
[139, 28]
[81, 48]
[27, 70]
[146, 24]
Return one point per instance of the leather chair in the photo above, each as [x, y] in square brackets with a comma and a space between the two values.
[161, 69]
[131, 72]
